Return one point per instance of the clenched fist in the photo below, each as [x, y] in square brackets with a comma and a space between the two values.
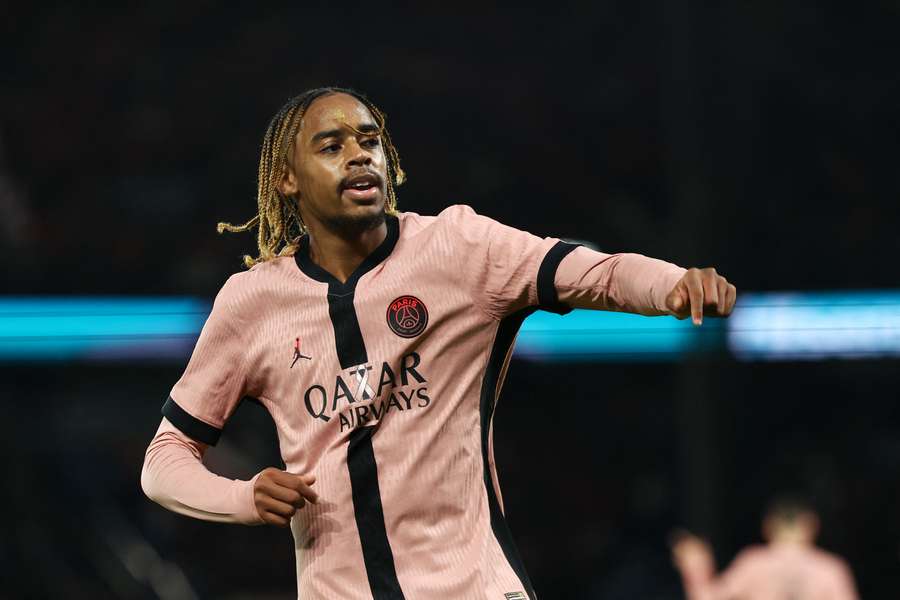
[279, 494]
[701, 292]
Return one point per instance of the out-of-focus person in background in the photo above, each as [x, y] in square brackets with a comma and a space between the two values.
[788, 567]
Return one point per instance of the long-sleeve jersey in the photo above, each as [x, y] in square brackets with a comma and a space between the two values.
[385, 387]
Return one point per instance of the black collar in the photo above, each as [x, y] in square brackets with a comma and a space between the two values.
[311, 269]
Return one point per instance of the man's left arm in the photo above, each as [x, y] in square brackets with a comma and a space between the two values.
[635, 283]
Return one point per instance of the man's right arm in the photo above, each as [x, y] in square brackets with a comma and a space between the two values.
[212, 385]
[175, 477]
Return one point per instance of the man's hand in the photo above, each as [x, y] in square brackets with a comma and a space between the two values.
[701, 292]
[279, 494]
[693, 557]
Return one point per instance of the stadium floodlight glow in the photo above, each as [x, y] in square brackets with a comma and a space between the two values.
[764, 326]
[602, 335]
[815, 325]
[99, 328]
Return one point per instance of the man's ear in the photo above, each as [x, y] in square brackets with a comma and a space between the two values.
[288, 184]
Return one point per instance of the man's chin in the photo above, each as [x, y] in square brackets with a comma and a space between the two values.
[359, 220]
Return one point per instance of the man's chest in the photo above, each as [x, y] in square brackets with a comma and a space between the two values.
[327, 357]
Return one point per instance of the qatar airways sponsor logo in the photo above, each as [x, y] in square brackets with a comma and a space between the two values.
[367, 392]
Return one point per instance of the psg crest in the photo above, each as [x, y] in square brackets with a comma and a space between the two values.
[407, 316]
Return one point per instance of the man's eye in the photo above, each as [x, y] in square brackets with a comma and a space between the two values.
[330, 148]
[370, 143]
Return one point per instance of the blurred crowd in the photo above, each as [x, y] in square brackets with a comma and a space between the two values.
[758, 138]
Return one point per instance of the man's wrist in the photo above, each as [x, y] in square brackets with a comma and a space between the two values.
[248, 513]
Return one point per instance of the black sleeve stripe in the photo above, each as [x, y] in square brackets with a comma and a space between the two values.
[548, 299]
[189, 424]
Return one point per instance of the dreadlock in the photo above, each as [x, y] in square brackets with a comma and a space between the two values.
[278, 220]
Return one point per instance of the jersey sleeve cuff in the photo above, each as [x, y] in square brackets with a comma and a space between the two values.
[249, 514]
[189, 424]
[548, 298]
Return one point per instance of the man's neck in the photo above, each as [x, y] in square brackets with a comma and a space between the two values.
[340, 255]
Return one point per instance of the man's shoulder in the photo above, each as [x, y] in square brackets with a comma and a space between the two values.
[828, 559]
[753, 553]
[455, 219]
[752, 559]
[244, 288]
[410, 219]
[262, 273]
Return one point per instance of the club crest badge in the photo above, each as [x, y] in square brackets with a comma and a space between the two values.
[407, 316]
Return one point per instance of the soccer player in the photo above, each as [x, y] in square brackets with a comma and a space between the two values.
[379, 340]
[788, 567]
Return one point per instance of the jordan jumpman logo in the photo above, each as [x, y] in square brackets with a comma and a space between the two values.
[297, 355]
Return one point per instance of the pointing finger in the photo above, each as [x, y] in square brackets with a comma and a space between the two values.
[695, 291]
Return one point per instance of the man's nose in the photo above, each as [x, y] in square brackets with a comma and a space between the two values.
[360, 157]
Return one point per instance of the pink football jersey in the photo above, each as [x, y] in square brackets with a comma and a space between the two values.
[385, 387]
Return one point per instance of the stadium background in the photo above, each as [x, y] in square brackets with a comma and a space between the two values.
[761, 139]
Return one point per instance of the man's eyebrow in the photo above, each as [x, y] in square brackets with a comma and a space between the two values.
[364, 128]
[326, 134]
[368, 128]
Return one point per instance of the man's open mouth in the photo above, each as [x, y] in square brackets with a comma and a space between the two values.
[364, 186]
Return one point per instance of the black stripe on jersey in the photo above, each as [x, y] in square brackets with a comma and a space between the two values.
[351, 350]
[348, 339]
[506, 334]
[377, 555]
[548, 299]
[189, 424]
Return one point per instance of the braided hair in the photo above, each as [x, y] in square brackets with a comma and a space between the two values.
[278, 220]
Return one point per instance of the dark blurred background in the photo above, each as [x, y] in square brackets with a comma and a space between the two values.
[761, 138]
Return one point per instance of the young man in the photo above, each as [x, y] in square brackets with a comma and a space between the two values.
[379, 341]
[788, 567]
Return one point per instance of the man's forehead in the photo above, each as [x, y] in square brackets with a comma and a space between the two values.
[334, 111]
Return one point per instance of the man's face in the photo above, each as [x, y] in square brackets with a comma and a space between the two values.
[337, 174]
